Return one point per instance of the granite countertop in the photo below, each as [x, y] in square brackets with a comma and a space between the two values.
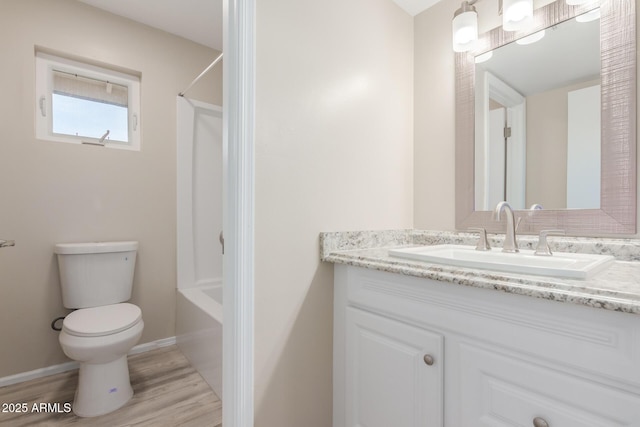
[617, 288]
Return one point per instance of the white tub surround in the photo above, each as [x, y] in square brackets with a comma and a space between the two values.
[617, 288]
[199, 193]
[414, 348]
[199, 308]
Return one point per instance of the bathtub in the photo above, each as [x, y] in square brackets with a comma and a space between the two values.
[199, 331]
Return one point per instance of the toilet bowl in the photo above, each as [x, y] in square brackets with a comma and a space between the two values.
[100, 338]
[96, 279]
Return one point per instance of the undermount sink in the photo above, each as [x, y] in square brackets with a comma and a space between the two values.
[567, 265]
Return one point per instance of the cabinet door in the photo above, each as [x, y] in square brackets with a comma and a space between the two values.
[394, 373]
[502, 391]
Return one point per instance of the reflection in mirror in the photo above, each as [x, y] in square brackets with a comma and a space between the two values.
[537, 119]
[616, 213]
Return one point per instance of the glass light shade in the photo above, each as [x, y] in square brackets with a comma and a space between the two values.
[465, 31]
[517, 14]
[532, 38]
[484, 57]
[589, 16]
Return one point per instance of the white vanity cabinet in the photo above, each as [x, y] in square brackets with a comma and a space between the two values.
[391, 366]
[416, 352]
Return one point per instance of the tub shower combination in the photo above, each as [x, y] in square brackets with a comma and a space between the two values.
[199, 253]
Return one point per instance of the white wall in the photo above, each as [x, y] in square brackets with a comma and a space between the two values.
[333, 152]
[58, 192]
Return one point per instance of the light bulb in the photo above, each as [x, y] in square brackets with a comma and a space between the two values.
[464, 35]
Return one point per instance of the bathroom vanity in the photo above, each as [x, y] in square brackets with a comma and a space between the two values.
[421, 344]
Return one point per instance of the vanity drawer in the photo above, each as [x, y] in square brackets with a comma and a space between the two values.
[498, 390]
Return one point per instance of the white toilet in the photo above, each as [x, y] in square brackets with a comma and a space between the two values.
[96, 279]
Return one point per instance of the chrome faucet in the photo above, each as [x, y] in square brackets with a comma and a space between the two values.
[510, 244]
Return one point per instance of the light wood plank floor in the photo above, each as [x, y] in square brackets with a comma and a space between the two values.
[168, 392]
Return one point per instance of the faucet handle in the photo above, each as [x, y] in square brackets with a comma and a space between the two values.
[483, 242]
[543, 248]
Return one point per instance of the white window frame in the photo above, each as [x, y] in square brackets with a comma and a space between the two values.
[46, 63]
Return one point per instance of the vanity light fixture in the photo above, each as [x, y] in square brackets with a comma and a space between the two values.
[516, 15]
[531, 39]
[465, 27]
[576, 2]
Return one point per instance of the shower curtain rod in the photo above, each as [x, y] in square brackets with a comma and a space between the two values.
[215, 61]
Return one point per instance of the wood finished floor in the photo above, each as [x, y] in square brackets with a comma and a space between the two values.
[168, 392]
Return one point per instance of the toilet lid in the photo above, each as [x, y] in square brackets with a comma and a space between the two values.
[104, 320]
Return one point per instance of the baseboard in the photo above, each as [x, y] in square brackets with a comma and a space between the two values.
[38, 373]
[153, 345]
[69, 366]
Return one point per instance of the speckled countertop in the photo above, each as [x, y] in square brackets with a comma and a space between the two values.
[617, 288]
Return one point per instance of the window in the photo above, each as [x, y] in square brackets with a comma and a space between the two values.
[86, 104]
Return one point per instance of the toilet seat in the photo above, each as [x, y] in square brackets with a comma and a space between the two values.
[101, 321]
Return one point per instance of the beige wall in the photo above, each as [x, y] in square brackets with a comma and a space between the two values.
[434, 144]
[434, 124]
[434, 112]
[58, 192]
[333, 152]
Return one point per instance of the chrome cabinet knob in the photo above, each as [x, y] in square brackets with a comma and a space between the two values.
[540, 422]
[428, 359]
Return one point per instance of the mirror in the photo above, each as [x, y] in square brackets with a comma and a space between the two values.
[537, 119]
[551, 122]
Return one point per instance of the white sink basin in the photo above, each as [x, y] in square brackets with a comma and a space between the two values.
[568, 265]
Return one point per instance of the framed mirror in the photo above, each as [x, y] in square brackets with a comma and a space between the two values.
[551, 123]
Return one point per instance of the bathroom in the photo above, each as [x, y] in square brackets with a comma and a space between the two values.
[83, 193]
[354, 130]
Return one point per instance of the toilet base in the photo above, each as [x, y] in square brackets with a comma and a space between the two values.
[102, 388]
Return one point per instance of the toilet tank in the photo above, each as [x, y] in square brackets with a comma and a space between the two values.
[97, 273]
